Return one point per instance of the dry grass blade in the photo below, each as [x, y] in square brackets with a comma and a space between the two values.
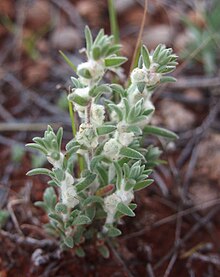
[139, 36]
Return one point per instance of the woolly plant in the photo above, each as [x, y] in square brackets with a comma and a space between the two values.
[110, 145]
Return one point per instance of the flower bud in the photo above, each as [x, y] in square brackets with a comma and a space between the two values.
[110, 204]
[153, 78]
[126, 138]
[138, 75]
[97, 114]
[87, 136]
[94, 69]
[125, 196]
[112, 149]
[57, 163]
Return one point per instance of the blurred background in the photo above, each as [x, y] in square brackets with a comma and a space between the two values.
[177, 227]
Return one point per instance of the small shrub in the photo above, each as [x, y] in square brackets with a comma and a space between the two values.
[108, 150]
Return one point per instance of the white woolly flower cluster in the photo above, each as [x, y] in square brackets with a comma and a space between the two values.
[81, 92]
[97, 115]
[111, 202]
[121, 138]
[68, 192]
[149, 77]
[111, 149]
[86, 136]
[56, 163]
[89, 73]
[95, 71]
[113, 161]
[146, 75]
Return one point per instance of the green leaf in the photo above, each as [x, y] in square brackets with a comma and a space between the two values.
[143, 184]
[56, 218]
[59, 137]
[88, 37]
[104, 48]
[163, 55]
[105, 129]
[167, 79]
[140, 62]
[50, 198]
[119, 89]
[124, 209]
[135, 111]
[71, 144]
[126, 170]
[36, 171]
[148, 171]
[156, 52]
[41, 204]
[68, 61]
[81, 220]
[39, 141]
[69, 242]
[96, 53]
[127, 106]
[95, 161]
[132, 206]
[113, 232]
[53, 183]
[130, 184]
[78, 235]
[139, 118]
[99, 37]
[61, 208]
[59, 174]
[85, 173]
[80, 252]
[141, 86]
[131, 153]
[74, 214]
[73, 150]
[102, 174]
[149, 111]
[167, 69]
[135, 171]
[37, 147]
[84, 73]
[119, 175]
[103, 250]
[85, 183]
[159, 132]
[92, 199]
[75, 82]
[115, 61]
[90, 212]
[146, 56]
[117, 110]
[114, 49]
[78, 99]
[100, 90]
[135, 129]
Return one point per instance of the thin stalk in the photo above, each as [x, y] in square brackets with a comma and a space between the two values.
[72, 118]
[134, 58]
[68, 61]
[135, 63]
[81, 163]
[113, 21]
